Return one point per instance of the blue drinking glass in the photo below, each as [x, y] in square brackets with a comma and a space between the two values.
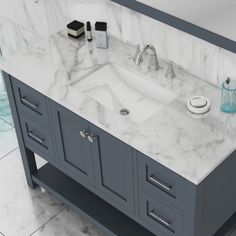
[228, 97]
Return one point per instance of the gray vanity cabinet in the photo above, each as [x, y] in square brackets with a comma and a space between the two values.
[74, 149]
[90, 154]
[122, 190]
[113, 163]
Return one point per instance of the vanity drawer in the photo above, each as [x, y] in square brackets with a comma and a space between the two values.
[30, 101]
[37, 138]
[161, 181]
[159, 216]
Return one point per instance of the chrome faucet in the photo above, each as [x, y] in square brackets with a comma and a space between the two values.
[153, 61]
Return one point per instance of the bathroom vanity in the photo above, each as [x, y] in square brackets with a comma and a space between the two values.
[161, 174]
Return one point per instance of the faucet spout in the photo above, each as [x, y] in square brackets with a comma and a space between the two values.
[153, 61]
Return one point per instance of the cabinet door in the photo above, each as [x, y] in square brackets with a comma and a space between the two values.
[74, 150]
[113, 163]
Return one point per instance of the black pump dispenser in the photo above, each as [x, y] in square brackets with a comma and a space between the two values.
[89, 32]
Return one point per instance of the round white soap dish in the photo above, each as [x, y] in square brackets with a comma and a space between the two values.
[198, 104]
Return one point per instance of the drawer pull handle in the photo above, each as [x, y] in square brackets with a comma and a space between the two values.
[30, 104]
[159, 218]
[163, 185]
[31, 135]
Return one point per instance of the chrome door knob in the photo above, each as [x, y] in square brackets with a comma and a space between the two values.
[91, 138]
[83, 133]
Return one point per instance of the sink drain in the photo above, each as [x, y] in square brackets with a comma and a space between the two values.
[124, 112]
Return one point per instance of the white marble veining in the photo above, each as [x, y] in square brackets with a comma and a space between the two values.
[31, 15]
[14, 38]
[198, 57]
[57, 15]
[68, 223]
[8, 141]
[191, 147]
[23, 210]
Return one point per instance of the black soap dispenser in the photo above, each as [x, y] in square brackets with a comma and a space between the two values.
[89, 32]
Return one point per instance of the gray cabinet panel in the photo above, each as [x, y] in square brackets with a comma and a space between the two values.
[161, 181]
[113, 162]
[160, 217]
[30, 101]
[74, 151]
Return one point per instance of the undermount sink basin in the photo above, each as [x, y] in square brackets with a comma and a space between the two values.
[125, 92]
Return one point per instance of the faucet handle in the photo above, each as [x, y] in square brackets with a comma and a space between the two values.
[137, 58]
[170, 73]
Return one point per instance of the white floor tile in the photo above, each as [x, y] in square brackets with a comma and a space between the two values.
[68, 223]
[8, 119]
[5, 111]
[8, 141]
[40, 161]
[22, 210]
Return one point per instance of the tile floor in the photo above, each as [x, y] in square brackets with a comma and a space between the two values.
[27, 212]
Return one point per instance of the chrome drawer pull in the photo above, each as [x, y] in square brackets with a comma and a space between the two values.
[159, 218]
[24, 100]
[160, 183]
[31, 135]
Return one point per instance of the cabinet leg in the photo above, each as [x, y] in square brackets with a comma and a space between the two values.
[28, 157]
[29, 164]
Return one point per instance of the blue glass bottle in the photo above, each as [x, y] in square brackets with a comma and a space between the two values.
[228, 97]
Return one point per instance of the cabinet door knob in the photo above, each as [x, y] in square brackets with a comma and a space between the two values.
[83, 133]
[91, 138]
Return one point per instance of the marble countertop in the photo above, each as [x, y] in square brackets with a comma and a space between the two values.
[14, 38]
[190, 146]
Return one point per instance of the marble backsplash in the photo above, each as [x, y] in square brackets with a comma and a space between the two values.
[196, 56]
[205, 60]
